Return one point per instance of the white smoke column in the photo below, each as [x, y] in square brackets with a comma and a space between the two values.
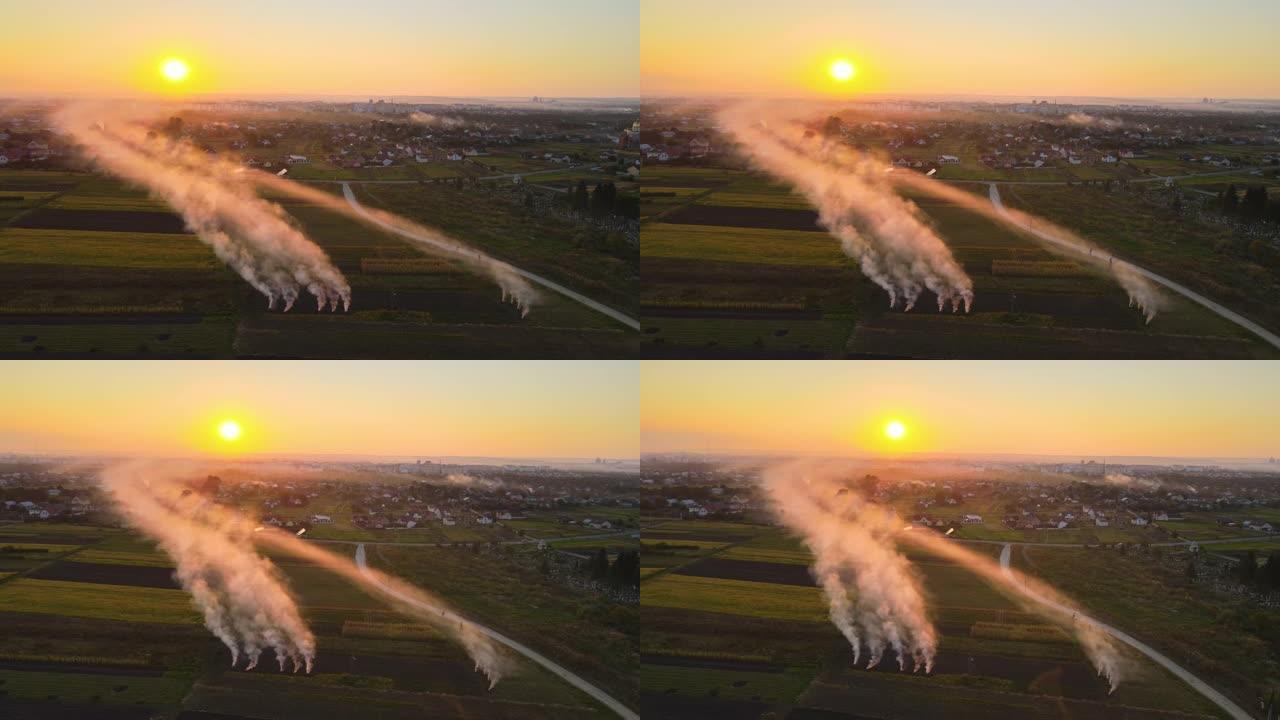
[448, 122]
[515, 289]
[241, 594]
[854, 544]
[234, 176]
[255, 237]
[1054, 238]
[1078, 118]
[1038, 596]
[875, 596]
[887, 235]
[486, 654]
[1130, 481]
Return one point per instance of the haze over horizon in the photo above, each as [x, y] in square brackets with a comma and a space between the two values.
[402, 409]
[1215, 409]
[557, 48]
[1091, 48]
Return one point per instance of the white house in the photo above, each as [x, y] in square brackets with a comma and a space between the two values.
[484, 520]
[321, 519]
[972, 519]
[1108, 158]
[948, 160]
[297, 159]
[455, 156]
[1101, 521]
[4, 160]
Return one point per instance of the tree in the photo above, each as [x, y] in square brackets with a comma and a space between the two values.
[580, 197]
[1248, 568]
[1191, 569]
[1230, 203]
[1271, 571]
[1254, 206]
[600, 565]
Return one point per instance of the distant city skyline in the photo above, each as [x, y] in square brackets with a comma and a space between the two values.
[1092, 48]
[487, 48]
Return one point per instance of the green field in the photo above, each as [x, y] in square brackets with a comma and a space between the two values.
[121, 292]
[716, 646]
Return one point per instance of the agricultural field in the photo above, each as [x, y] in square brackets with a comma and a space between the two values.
[736, 266]
[735, 627]
[92, 268]
[95, 626]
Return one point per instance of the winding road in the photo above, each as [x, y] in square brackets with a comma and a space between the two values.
[564, 673]
[578, 297]
[1200, 686]
[1268, 336]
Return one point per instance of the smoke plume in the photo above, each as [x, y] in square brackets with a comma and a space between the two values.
[874, 592]
[406, 598]
[888, 236]
[1054, 238]
[255, 237]
[244, 598]
[242, 595]
[1123, 480]
[875, 595]
[448, 122]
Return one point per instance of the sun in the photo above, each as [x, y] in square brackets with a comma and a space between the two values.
[895, 430]
[842, 70]
[175, 69]
[229, 430]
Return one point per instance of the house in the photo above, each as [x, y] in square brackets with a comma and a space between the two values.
[455, 156]
[1108, 158]
[1101, 521]
[484, 520]
[1139, 521]
[296, 159]
[504, 516]
[321, 519]
[948, 160]
[973, 519]
[4, 160]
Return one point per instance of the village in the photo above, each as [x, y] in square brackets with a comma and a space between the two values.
[474, 503]
[1011, 136]
[1091, 501]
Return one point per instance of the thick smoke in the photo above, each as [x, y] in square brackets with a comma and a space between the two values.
[874, 593]
[1123, 480]
[1054, 238]
[245, 601]
[448, 122]
[255, 237]
[888, 236]
[515, 288]
[406, 598]
[1079, 118]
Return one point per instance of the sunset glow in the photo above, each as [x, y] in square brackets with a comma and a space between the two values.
[841, 71]
[175, 70]
[983, 47]
[229, 430]
[158, 408]
[869, 408]
[556, 48]
[895, 430]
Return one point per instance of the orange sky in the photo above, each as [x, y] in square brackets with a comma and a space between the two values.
[1135, 48]
[577, 48]
[1202, 409]
[500, 408]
